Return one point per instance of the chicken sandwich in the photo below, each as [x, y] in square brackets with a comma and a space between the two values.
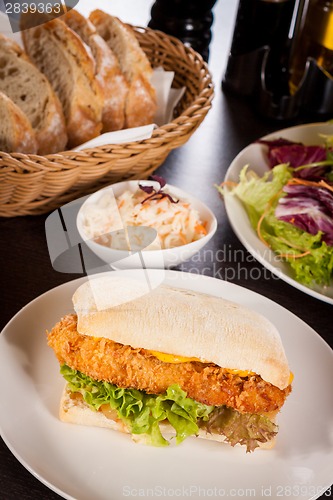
[169, 364]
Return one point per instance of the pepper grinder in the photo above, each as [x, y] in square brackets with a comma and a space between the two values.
[188, 20]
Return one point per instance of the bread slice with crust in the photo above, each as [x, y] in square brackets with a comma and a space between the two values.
[16, 132]
[107, 71]
[141, 99]
[62, 56]
[30, 90]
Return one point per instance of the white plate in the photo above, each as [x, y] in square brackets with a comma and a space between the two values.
[89, 463]
[254, 155]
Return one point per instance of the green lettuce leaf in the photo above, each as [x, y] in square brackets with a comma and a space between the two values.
[256, 192]
[140, 411]
[284, 238]
[143, 412]
[260, 195]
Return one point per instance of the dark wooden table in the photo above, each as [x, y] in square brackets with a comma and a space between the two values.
[26, 270]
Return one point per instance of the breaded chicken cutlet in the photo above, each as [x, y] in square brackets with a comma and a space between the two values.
[207, 383]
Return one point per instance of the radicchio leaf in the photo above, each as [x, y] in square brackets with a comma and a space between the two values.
[297, 155]
[156, 194]
[147, 189]
[277, 143]
[309, 208]
[159, 179]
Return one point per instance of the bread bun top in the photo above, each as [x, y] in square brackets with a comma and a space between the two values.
[182, 322]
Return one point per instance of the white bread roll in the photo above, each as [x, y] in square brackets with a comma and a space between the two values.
[182, 322]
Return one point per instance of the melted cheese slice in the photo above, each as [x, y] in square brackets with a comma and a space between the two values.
[291, 378]
[170, 358]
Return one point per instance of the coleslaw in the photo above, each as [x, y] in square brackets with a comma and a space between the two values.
[176, 223]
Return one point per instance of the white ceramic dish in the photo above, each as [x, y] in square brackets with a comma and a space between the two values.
[163, 258]
[92, 463]
[254, 155]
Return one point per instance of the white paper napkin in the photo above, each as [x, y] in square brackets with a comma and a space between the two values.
[119, 137]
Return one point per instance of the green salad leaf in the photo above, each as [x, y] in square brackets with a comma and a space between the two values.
[260, 196]
[143, 412]
[256, 192]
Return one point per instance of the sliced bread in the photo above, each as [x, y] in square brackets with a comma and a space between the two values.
[30, 90]
[107, 71]
[141, 99]
[16, 132]
[62, 56]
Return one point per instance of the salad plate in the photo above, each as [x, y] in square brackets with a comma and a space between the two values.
[83, 463]
[255, 156]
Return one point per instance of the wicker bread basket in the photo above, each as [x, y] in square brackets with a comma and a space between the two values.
[32, 184]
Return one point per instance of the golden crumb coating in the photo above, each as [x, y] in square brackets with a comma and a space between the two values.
[103, 359]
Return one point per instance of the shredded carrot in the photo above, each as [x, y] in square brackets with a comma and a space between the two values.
[260, 221]
[229, 183]
[199, 228]
[303, 182]
[262, 239]
[182, 237]
[296, 256]
[121, 203]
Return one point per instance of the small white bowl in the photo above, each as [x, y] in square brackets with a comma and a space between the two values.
[153, 259]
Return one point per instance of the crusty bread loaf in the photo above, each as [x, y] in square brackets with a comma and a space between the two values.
[29, 89]
[182, 322]
[107, 71]
[76, 411]
[16, 132]
[62, 56]
[141, 99]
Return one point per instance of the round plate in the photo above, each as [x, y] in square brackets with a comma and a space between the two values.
[254, 155]
[83, 463]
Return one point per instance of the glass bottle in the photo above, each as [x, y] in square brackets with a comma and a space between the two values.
[315, 40]
[259, 23]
